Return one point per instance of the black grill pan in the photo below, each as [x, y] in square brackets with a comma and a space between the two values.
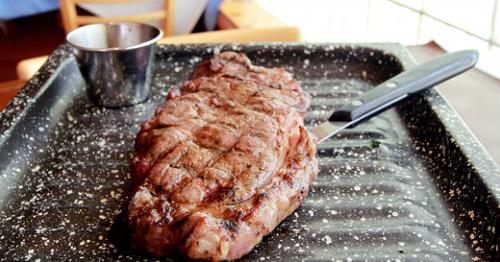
[412, 184]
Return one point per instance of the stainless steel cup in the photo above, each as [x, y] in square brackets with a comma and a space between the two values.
[115, 59]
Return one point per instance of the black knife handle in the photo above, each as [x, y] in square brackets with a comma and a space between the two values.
[404, 85]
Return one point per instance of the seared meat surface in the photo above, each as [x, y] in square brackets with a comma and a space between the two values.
[222, 163]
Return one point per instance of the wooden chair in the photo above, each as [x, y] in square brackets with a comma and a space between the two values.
[28, 67]
[241, 36]
[71, 20]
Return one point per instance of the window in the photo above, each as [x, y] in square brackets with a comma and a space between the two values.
[454, 25]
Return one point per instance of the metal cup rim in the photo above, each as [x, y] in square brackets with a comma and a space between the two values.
[151, 41]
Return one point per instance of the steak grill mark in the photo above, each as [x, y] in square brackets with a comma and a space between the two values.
[222, 163]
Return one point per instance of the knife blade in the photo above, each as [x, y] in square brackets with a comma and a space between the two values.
[325, 130]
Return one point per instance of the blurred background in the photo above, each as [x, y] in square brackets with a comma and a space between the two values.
[34, 27]
[31, 29]
[453, 24]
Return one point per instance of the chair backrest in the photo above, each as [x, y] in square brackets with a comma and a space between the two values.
[277, 34]
[71, 20]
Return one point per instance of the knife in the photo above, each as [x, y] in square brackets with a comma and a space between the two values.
[397, 89]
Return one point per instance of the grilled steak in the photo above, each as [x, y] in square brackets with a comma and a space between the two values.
[222, 163]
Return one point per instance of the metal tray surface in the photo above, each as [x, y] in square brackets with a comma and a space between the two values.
[428, 192]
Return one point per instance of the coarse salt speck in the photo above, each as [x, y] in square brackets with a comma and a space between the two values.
[327, 239]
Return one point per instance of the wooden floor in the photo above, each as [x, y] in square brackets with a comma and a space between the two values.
[28, 37]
